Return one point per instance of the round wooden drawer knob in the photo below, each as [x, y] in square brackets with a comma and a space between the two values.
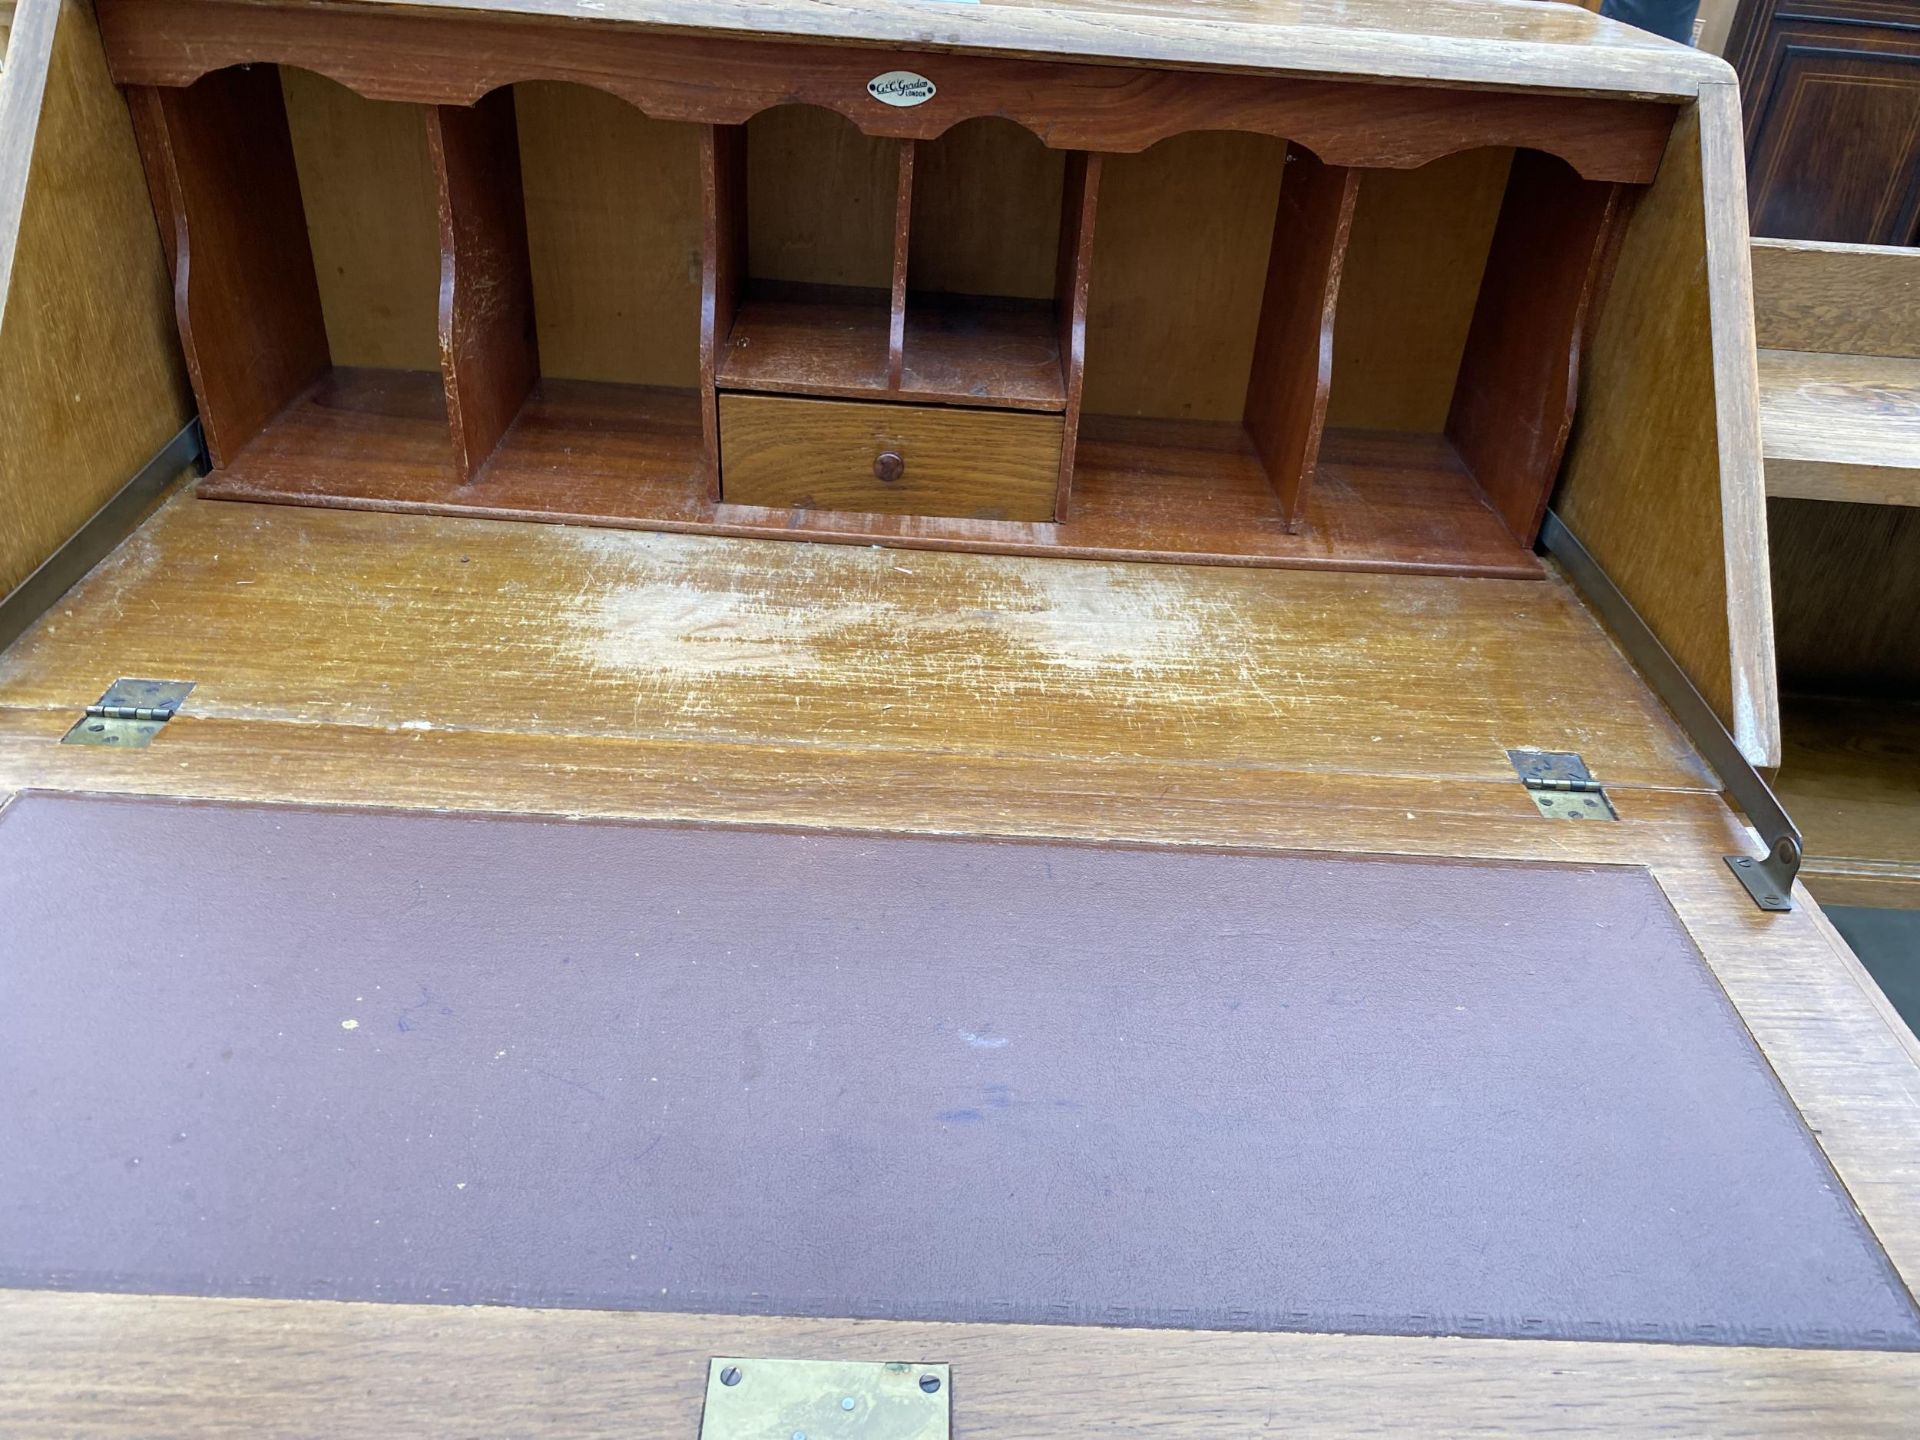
[888, 466]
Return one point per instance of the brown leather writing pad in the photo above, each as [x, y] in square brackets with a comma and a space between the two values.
[285, 1052]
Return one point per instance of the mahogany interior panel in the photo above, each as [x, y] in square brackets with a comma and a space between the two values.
[955, 350]
[221, 163]
[489, 358]
[1286, 406]
[859, 299]
[1514, 399]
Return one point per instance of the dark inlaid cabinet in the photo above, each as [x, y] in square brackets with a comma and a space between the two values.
[1831, 90]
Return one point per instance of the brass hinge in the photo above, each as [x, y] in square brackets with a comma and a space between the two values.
[130, 714]
[1560, 785]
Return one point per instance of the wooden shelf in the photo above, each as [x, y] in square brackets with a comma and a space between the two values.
[287, 419]
[1850, 777]
[631, 457]
[831, 342]
[1841, 427]
[959, 350]
[975, 350]
[377, 440]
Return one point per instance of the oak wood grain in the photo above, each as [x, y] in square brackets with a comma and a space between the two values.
[1172, 310]
[1848, 578]
[987, 211]
[1449, 40]
[127, 1365]
[1292, 376]
[829, 455]
[718, 80]
[1841, 427]
[489, 355]
[1840, 299]
[1663, 478]
[91, 379]
[614, 634]
[954, 349]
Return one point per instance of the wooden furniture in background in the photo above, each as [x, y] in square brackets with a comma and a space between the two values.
[1839, 330]
[1832, 92]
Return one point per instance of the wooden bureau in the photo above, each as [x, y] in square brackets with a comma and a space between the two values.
[760, 451]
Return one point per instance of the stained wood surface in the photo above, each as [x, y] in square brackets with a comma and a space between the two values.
[1841, 299]
[489, 359]
[1414, 265]
[649, 675]
[821, 200]
[614, 221]
[954, 350]
[1839, 327]
[1519, 378]
[1841, 427]
[723, 272]
[1663, 475]
[1286, 405]
[611, 634]
[631, 456]
[383, 54]
[987, 211]
[244, 291]
[1848, 578]
[815, 341]
[123, 1365]
[1073, 277]
[91, 380]
[1172, 309]
[829, 455]
[897, 290]
[1463, 40]
[367, 187]
[613, 230]
[1851, 779]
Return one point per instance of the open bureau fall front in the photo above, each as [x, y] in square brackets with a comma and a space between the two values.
[598, 885]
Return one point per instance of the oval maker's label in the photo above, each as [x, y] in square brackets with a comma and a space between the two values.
[900, 87]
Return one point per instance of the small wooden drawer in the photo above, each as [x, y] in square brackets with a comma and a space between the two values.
[895, 459]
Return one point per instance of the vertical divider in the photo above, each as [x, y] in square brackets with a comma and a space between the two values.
[221, 170]
[1079, 203]
[723, 268]
[1520, 374]
[902, 238]
[1286, 404]
[489, 359]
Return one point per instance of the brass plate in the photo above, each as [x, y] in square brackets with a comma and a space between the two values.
[760, 1399]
